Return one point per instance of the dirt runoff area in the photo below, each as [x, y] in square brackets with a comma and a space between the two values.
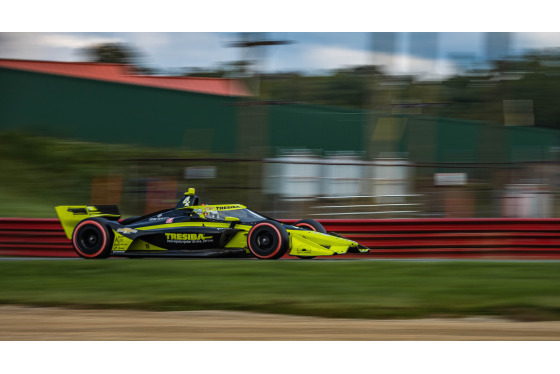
[39, 324]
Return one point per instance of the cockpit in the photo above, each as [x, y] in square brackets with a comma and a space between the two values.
[219, 213]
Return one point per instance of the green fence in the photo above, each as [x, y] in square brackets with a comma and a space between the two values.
[116, 113]
[121, 113]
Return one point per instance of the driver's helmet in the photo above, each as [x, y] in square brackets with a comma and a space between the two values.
[212, 214]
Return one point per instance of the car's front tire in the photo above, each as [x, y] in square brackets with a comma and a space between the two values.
[92, 239]
[310, 224]
[268, 240]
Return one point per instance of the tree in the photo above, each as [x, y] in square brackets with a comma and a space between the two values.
[533, 77]
[114, 53]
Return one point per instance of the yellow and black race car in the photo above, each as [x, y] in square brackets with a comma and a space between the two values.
[196, 230]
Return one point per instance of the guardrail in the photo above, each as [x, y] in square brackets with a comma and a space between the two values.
[388, 238]
[452, 238]
[41, 237]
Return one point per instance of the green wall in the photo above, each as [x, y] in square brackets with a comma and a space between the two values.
[316, 127]
[120, 113]
[432, 139]
[116, 113]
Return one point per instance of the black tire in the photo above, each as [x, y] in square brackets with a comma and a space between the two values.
[310, 224]
[92, 239]
[268, 240]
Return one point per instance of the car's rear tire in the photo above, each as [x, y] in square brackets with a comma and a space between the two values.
[92, 239]
[310, 224]
[268, 240]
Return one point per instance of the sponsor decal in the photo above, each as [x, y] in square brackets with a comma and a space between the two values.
[121, 243]
[127, 230]
[169, 220]
[158, 218]
[187, 238]
[120, 240]
[227, 207]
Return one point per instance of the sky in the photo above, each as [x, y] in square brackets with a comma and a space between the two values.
[437, 53]
[430, 38]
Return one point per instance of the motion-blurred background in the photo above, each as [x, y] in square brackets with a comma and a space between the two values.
[317, 125]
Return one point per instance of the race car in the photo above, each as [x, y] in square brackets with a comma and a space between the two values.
[196, 230]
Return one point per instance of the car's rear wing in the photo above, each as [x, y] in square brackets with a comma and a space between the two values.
[71, 215]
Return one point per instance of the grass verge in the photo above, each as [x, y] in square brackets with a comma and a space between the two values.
[40, 172]
[342, 289]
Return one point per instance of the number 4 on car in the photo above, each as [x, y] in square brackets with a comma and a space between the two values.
[191, 229]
